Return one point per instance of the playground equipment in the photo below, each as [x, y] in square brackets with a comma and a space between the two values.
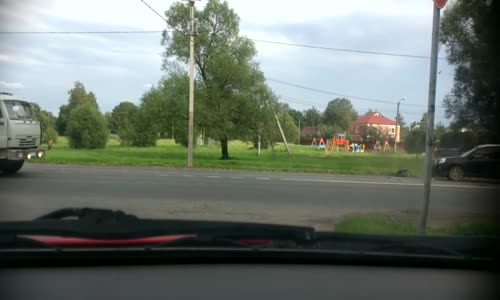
[377, 147]
[338, 142]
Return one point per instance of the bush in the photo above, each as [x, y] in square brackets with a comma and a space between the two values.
[456, 139]
[138, 130]
[87, 128]
[49, 134]
[415, 142]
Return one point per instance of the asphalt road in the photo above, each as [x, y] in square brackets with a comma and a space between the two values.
[299, 198]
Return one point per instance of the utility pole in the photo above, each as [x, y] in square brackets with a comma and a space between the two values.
[191, 85]
[299, 131]
[282, 134]
[397, 122]
[438, 4]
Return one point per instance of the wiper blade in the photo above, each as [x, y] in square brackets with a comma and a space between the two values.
[89, 227]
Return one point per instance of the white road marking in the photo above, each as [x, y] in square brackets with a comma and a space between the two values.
[236, 177]
[213, 176]
[389, 183]
[262, 178]
[187, 175]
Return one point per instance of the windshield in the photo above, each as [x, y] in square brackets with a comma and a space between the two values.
[17, 109]
[329, 114]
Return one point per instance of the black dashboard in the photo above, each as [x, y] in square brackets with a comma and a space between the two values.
[246, 281]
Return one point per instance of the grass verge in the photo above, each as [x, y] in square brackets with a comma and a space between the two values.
[375, 224]
[243, 156]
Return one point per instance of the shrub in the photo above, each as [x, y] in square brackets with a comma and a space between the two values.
[415, 142]
[138, 130]
[87, 128]
[49, 134]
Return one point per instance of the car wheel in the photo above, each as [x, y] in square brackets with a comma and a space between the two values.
[456, 173]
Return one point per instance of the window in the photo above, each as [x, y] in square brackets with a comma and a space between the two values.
[392, 130]
[18, 109]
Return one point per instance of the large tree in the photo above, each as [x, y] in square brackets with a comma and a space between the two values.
[226, 70]
[78, 96]
[470, 30]
[339, 112]
[120, 116]
[312, 117]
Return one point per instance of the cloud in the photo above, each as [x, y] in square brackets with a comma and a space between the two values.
[11, 85]
[147, 86]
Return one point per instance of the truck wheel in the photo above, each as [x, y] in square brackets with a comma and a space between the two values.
[456, 173]
[11, 167]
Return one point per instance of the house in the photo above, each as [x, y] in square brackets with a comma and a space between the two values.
[308, 133]
[384, 125]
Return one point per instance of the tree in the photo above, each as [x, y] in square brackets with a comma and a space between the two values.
[339, 112]
[87, 128]
[77, 96]
[297, 116]
[227, 72]
[373, 134]
[167, 107]
[456, 139]
[47, 123]
[423, 121]
[120, 116]
[415, 142]
[137, 131]
[312, 117]
[107, 115]
[470, 31]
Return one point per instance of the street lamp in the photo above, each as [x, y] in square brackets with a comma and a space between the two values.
[397, 131]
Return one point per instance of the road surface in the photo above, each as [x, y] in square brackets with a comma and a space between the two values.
[298, 198]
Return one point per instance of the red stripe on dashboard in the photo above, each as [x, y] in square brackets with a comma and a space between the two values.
[53, 240]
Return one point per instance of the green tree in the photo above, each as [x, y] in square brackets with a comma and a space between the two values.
[47, 123]
[312, 117]
[120, 116]
[297, 116]
[227, 72]
[456, 139]
[87, 128]
[415, 142]
[167, 107]
[470, 30]
[77, 96]
[339, 112]
[137, 131]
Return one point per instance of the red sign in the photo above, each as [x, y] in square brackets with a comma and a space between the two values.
[440, 3]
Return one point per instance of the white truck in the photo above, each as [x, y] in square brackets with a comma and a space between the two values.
[20, 133]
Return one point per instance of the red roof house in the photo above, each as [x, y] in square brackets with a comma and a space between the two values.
[386, 126]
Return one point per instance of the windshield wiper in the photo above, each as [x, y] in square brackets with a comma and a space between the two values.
[89, 227]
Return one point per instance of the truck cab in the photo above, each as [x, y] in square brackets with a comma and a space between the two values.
[20, 133]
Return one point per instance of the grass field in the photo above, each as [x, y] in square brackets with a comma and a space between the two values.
[373, 224]
[243, 156]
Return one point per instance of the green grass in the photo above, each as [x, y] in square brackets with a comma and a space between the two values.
[303, 158]
[376, 224]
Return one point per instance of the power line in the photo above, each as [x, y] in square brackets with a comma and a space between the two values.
[256, 40]
[344, 49]
[326, 92]
[154, 10]
[337, 94]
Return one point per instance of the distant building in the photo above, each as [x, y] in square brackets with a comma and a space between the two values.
[308, 133]
[385, 126]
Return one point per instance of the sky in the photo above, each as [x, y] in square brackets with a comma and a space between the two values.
[122, 67]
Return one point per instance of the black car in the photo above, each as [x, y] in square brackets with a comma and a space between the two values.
[481, 161]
